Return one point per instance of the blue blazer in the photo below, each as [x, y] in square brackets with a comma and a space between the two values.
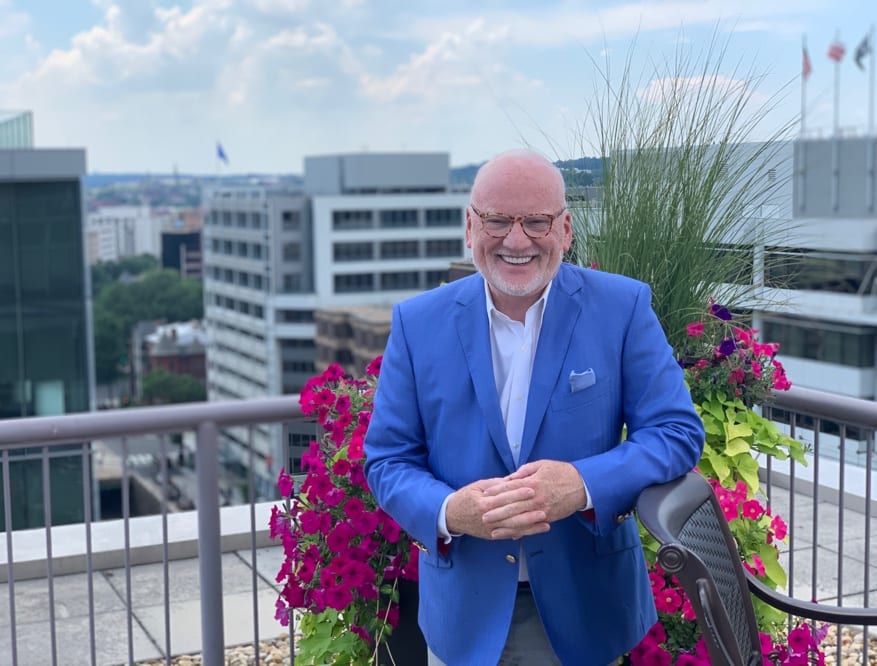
[437, 426]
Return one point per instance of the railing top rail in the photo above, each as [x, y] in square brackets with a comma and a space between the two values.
[840, 408]
[85, 426]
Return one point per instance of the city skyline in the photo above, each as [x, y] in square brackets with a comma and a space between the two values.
[157, 85]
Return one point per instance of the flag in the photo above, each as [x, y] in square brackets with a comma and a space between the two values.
[862, 51]
[220, 153]
[806, 67]
[836, 51]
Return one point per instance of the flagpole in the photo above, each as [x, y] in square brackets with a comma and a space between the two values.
[803, 86]
[871, 83]
[837, 90]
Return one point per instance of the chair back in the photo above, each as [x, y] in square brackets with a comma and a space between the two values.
[698, 548]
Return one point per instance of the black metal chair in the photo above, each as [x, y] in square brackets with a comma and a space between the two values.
[696, 545]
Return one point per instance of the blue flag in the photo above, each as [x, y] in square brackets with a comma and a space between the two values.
[220, 153]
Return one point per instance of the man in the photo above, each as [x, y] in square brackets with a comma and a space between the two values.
[496, 438]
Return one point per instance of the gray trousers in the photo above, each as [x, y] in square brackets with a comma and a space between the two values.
[527, 644]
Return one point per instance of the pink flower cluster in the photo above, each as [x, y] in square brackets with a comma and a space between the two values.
[722, 358]
[341, 549]
[676, 638]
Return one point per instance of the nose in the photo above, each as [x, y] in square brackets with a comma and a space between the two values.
[516, 237]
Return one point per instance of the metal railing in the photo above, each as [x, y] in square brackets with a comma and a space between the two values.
[38, 438]
[824, 420]
[834, 493]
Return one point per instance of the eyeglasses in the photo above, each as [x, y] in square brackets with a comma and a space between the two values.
[535, 225]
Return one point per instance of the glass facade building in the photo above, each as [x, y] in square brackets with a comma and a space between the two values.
[44, 326]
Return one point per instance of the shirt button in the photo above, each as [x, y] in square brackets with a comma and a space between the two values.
[523, 347]
[511, 558]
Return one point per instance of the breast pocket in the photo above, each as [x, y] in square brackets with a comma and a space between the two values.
[578, 399]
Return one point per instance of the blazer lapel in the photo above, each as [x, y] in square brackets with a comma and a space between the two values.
[474, 331]
[561, 314]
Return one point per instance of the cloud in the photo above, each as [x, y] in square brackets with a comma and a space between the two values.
[12, 22]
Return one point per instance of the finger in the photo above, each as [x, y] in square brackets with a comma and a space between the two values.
[508, 503]
[516, 533]
[505, 485]
[525, 470]
[513, 515]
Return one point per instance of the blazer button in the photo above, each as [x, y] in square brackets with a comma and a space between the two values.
[620, 519]
[511, 558]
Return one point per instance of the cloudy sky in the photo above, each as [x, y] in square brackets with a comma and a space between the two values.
[149, 85]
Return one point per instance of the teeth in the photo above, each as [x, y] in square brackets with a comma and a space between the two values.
[517, 260]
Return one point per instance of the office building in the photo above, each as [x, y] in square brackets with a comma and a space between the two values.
[16, 130]
[365, 230]
[45, 331]
[821, 278]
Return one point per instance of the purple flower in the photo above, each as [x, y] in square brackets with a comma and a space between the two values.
[720, 312]
[726, 347]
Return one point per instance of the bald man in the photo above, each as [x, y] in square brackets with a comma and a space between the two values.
[496, 438]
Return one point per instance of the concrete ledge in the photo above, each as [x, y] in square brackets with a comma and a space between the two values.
[68, 542]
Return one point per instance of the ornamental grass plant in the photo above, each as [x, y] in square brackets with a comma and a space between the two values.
[688, 200]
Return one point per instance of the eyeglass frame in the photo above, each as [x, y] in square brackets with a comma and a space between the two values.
[518, 219]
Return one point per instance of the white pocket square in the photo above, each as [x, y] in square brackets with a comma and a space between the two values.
[581, 380]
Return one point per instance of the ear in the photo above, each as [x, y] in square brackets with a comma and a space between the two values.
[468, 228]
[567, 230]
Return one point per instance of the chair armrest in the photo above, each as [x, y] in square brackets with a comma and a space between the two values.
[809, 609]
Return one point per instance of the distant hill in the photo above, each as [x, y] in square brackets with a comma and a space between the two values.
[99, 180]
[461, 175]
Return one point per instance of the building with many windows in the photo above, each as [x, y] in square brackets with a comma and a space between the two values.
[365, 230]
[822, 277]
[45, 331]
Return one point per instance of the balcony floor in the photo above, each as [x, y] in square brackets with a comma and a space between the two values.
[148, 632]
[111, 631]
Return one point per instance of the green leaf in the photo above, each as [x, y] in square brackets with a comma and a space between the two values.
[737, 430]
[747, 467]
[736, 446]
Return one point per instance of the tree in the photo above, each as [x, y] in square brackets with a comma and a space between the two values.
[104, 273]
[158, 295]
[163, 387]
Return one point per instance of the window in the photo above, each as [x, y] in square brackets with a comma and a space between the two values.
[226, 218]
[444, 247]
[353, 282]
[291, 251]
[353, 251]
[822, 341]
[399, 218]
[444, 217]
[298, 366]
[291, 220]
[243, 249]
[257, 220]
[257, 251]
[400, 280]
[840, 272]
[399, 249]
[352, 219]
[241, 219]
[295, 316]
[435, 278]
[291, 283]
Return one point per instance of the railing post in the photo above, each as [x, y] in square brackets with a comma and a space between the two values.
[209, 545]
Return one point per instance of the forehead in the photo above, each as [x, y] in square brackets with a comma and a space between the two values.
[518, 184]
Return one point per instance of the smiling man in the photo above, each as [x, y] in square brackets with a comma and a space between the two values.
[496, 437]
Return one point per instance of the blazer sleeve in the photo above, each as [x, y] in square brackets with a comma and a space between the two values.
[395, 444]
[664, 436]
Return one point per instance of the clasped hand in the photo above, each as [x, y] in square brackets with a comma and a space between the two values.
[522, 503]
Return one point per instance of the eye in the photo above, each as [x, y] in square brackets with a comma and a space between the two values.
[497, 222]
